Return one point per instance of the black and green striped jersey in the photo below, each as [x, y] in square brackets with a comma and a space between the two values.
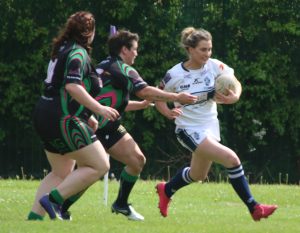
[60, 120]
[71, 66]
[119, 81]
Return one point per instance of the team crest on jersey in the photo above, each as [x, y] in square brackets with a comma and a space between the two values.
[207, 81]
[196, 136]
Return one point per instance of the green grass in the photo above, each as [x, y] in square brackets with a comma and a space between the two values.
[199, 208]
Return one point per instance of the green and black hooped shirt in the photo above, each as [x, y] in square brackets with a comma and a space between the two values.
[66, 130]
[119, 81]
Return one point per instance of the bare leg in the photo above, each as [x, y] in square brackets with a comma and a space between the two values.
[92, 164]
[128, 152]
[211, 150]
[60, 168]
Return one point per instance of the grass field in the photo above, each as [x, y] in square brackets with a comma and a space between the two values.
[198, 208]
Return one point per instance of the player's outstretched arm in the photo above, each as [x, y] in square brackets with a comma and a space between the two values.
[138, 105]
[155, 94]
[163, 108]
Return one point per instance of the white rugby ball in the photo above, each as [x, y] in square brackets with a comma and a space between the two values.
[224, 82]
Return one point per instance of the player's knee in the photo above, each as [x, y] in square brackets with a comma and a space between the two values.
[105, 168]
[197, 175]
[100, 171]
[61, 173]
[142, 160]
[62, 170]
[139, 163]
[234, 160]
[99, 168]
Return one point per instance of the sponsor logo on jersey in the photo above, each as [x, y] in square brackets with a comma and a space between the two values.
[121, 129]
[197, 81]
[184, 87]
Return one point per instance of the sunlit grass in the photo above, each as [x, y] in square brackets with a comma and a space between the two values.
[207, 207]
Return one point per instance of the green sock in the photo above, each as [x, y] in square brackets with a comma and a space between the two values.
[56, 197]
[34, 216]
[71, 200]
[128, 177]
[127, 182]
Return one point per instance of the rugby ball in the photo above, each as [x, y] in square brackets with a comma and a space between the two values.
[225, 82]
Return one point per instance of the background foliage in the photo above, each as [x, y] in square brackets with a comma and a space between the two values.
[259, 39]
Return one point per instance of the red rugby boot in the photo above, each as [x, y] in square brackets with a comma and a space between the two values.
[164, 201]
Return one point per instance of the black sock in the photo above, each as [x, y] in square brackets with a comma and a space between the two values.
[241, 187]
[127, 182]
[70, 201]
[181, 179]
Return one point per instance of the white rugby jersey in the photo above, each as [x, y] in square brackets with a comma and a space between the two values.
[197, 82]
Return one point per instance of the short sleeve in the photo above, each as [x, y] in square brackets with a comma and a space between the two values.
[75, 66]
[138, 82]
[222, 68]
[165, 82]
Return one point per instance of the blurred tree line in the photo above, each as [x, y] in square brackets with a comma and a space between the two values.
[260, 39]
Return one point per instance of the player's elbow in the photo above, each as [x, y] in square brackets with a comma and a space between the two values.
[144, 94]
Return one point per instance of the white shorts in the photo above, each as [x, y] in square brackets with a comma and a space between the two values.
[190, 138]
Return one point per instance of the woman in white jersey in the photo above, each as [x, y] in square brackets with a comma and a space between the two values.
[197, 125]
